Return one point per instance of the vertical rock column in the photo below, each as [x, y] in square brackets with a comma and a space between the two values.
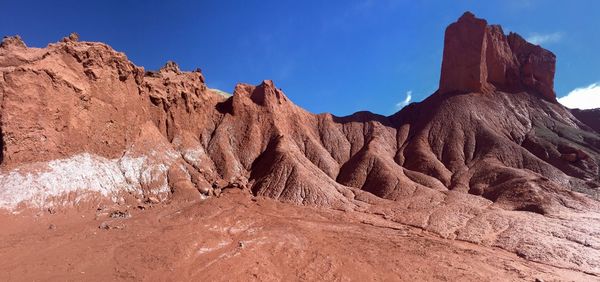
[480, 58]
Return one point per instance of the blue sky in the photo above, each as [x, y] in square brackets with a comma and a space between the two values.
[327, 56]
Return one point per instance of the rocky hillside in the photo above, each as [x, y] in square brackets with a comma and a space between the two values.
[80, 118]
[589, 117]
[80, 124]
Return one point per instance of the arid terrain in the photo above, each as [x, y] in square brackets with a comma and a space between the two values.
[238, 236]
[109, 171]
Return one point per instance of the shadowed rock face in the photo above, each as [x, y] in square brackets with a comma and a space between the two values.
[590, 117]
[79, 120]
[480, 58]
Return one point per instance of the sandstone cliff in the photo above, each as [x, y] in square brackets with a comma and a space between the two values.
[480, 58]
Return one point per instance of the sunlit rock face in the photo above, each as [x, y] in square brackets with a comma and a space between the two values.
[166, 132]
[480, 58]
[490, 158]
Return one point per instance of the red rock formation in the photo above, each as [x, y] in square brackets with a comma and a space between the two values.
[79, 120]
[463, 64]
[590, 117]
[12, 42]
[140, 127]
[481, 58]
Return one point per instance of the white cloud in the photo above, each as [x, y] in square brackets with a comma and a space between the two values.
[538, 38]
[406, 100]
[583, 98]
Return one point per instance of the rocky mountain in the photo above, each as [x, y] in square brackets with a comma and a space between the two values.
[480, 58]
[490, 158]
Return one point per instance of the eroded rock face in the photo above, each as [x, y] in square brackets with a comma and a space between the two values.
[76, 98]
[463, 64]
[480, 58]
[590, 117]
[80, 122]
[537, 66]
[12, 42]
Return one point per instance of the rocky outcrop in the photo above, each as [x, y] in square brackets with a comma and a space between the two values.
[165, 132]
[463, 64]
[12, 42]
[590, 117]
[536, 67]
[73, 37]
[480, 58]
[81, 123]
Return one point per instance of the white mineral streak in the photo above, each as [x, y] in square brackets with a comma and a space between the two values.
[194, 155]
[36, 185]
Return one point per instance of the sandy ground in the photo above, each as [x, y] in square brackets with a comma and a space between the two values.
[238, 237]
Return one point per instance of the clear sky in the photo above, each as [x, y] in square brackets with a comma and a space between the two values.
[327, 56]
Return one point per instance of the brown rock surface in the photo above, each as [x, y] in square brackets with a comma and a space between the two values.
[480, 58]
[83, 126]
[464, 59]
[590, 117]
[234, 238]
[9, 42]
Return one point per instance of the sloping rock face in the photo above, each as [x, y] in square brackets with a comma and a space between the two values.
[480, 58]
[80, 123]
[590, 117]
